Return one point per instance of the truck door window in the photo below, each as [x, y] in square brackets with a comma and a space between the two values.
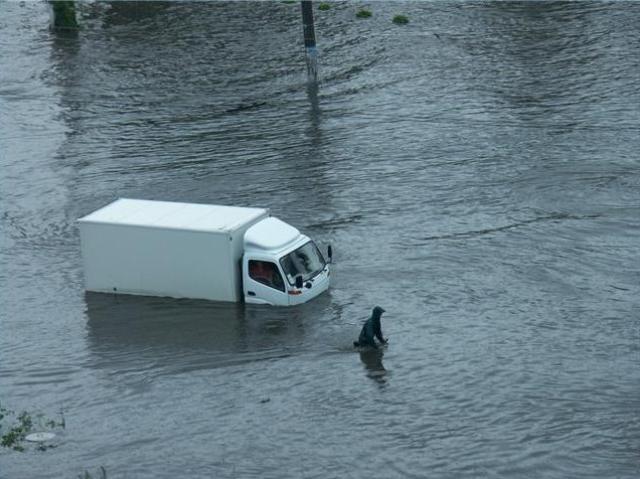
[267, 273]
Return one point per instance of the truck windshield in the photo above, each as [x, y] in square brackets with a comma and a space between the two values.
[306, 261]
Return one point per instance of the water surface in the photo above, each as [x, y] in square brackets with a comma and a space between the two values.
[476, 172]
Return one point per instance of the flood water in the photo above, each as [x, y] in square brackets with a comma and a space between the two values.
[476, 171]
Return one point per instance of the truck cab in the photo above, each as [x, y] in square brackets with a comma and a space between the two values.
[281, 266]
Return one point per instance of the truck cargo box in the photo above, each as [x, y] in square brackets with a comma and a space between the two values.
[161, 248]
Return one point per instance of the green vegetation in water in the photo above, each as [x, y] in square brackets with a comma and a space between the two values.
[324, 6]
[13, 435]
[363, 13]
[17, 432]
[289, 2]
[401, 19]
[64, 14]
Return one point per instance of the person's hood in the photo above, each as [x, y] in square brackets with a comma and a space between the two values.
[377, 312]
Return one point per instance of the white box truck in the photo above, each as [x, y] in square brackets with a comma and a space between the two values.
[187, 250]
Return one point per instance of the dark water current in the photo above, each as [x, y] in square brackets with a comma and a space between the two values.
[477, 172]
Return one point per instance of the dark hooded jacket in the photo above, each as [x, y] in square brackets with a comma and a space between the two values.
[371, 329]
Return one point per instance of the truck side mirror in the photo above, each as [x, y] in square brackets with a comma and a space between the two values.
[299, 281]
[329, 253]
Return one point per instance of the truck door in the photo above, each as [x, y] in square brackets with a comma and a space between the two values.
[263, 283]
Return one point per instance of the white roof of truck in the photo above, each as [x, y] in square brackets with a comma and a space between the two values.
[270, 234]
[172, 215]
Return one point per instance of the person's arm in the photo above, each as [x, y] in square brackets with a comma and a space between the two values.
[377, 330]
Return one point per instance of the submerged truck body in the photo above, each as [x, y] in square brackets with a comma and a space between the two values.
[187, 250]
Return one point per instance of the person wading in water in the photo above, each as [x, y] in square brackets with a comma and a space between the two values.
[371, 329]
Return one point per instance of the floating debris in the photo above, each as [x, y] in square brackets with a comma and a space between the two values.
[40, 437]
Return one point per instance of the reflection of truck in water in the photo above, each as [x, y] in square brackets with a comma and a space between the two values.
[186, 250]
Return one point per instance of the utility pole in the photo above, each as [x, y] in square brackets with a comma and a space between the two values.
[310, 40]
